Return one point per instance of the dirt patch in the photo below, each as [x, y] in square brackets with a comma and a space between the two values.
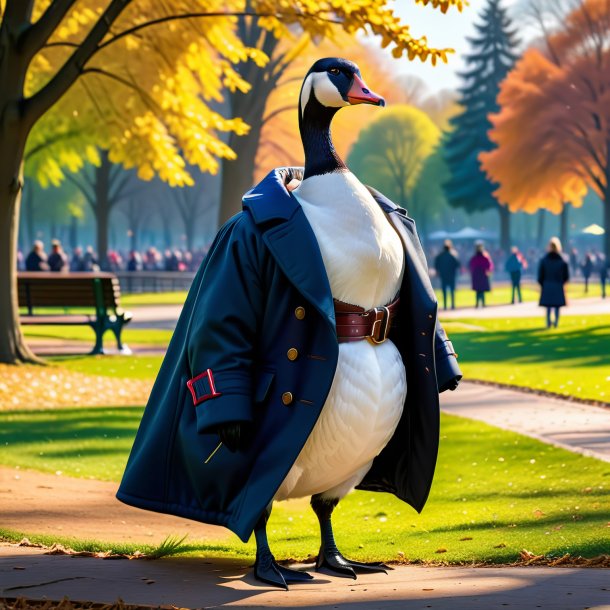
[38, 503]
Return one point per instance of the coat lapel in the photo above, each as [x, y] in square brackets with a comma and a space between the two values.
[292, 242]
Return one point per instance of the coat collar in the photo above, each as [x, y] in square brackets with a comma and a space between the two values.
[292, 242]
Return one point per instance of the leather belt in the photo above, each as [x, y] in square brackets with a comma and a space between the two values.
[355, 324]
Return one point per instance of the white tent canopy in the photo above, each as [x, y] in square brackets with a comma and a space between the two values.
[466, 233]
[593, 230]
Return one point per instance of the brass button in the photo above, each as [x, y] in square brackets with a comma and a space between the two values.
[430, 316]
[287, 398]
[299, 313]
[423, 333]
[292, 353]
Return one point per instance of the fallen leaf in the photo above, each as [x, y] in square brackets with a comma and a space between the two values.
[465, 538]
[500, 546]
[441, 550]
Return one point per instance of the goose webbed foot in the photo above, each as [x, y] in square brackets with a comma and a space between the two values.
[331, 561]
[267, 570]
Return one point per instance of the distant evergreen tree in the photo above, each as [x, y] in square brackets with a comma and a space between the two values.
[490, 60]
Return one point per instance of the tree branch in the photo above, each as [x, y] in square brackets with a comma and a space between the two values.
[54, 140]
[81, 187]
[277, 111]
[40, 102]
[35, 37]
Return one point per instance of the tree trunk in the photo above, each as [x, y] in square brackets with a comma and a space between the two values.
[238, 175]
[13, 349]
[540, 233]
[607, 224]
[73, 232]
[563, 224]
[504, 227]
[102, 208]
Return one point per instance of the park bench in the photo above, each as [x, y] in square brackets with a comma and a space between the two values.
[101, 291]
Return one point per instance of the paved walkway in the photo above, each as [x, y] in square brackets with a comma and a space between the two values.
[577, 427]
[531, 309]
[194, 583]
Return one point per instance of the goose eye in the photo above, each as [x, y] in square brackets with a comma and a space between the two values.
[334, 71]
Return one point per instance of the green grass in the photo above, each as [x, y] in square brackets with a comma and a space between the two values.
[153, 298]
[124, 367]
[501, 293]
[495, 493]
[135, 336]
[572, 360]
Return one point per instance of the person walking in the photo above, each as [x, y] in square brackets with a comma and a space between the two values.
[36, 260]
[515, 265]
[602, 268]
[587, 269]
[553, 273]
[447, 265]
[480, 266]
[58, 261]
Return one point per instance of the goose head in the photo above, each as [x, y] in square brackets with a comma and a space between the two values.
[331, 83]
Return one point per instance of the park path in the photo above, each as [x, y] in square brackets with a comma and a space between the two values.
[194, 583]
[576, 307]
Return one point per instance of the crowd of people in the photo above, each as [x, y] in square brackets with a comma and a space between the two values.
[553, 268]
[553, 272]
[87, 260]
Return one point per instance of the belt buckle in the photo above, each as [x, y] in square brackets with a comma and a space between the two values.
[381, 324]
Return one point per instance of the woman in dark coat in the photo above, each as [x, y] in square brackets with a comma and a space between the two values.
[553, 273]
[481, 267]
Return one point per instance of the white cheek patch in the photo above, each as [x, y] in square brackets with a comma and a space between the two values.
[305, 93]
[325, 91]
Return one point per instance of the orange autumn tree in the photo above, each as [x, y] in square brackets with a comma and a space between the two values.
[553, 129]
[137, 78]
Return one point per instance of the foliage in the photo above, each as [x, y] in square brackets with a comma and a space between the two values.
[488, 63]
[571, 360]
[145, 92]
[562, 93]
[494, 494]
[390, 152]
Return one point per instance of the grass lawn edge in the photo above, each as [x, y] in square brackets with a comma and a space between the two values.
[529, 390]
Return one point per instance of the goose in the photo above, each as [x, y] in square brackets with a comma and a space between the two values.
[364, 260]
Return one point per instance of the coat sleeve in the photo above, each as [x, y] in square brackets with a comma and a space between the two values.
[224, 326]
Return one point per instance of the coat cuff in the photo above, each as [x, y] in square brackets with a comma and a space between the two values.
[220, 398]
[448, 372]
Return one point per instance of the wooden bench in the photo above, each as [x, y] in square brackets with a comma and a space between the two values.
[44, 289]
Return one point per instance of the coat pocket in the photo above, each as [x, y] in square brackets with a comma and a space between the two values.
[262, 385]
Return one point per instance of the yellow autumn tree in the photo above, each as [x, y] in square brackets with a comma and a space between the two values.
[136, 78]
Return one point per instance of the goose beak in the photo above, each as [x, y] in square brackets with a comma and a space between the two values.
[359, 93]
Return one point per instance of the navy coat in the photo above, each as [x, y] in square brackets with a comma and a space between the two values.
[262, 290]
[553, 273]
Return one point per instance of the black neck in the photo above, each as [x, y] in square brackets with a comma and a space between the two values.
[314, 125]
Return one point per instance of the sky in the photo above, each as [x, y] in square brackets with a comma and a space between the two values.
[448, 30]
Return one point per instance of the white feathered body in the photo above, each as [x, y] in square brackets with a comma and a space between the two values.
[364, 260]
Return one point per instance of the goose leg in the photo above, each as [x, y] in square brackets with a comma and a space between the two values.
[266, 568]
[329, 557]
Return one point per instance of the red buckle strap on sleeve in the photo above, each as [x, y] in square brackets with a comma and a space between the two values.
[202, 387]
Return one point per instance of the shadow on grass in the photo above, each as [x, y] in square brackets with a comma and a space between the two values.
[26, 427]
[589, 345]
